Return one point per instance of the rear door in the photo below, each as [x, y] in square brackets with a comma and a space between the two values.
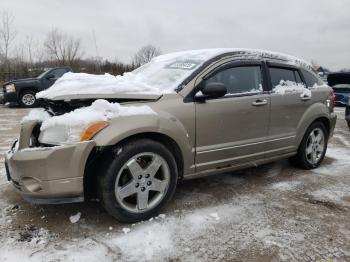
[287, 108]
[231, 130]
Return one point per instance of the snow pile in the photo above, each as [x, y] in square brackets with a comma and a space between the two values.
[75, 218]
[36, 115]
[162, 75]
[144, 243]
[100, 110]
[286, 185]
[287, 87]
[82, 83]
[126, 230]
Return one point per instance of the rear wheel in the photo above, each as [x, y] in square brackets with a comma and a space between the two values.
[27, 99]
[138, 181]
[313, 147]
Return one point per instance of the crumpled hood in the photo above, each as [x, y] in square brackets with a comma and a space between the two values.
[21, 81]
[75, 86]
[115, 96]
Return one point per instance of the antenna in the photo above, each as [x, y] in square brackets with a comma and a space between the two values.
[96, 50]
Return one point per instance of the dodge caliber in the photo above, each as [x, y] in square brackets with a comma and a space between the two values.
[129, 139]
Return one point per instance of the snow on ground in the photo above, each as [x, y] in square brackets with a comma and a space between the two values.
[274, 212]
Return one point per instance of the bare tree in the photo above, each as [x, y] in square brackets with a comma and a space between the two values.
[7, 34]
[145, 54]
[33, 50]
[65, 49]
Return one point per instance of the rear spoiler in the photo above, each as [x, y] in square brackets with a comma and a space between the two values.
[338, 78]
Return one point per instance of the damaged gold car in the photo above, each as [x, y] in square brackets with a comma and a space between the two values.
[128, 139]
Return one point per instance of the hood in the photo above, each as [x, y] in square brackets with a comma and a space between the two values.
[338, 78]
[67, 103]
[21, 81]
[111, 96]
[73, 86]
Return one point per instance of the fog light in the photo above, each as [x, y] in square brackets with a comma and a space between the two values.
[31, 184]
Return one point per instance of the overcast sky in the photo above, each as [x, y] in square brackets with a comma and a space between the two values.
[310, 29]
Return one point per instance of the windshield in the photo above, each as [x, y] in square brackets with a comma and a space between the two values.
[42, 74]
[167, 72]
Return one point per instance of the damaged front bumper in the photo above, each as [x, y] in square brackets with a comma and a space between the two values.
[47, 175]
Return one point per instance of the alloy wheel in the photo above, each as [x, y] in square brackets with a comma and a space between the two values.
[315, 146]
[28, 99]
[142, 182]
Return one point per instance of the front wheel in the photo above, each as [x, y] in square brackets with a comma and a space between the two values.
[140, 179]
[313, 147]
[27, 99]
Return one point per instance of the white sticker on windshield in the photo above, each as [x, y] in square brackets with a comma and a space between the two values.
[187, 65]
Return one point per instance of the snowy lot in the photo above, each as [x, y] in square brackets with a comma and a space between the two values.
[273, 212]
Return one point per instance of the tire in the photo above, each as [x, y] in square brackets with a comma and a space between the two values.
[311, 152]
[142, 169]
[27, 99]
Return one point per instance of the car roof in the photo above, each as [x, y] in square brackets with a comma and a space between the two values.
[239, 53]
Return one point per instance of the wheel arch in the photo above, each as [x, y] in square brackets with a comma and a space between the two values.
[27, 88]
[100, 156]
[316, 112]
[323, 119]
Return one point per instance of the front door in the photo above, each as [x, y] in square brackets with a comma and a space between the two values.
[231, 130]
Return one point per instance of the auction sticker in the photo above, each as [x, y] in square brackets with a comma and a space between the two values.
[186, 65]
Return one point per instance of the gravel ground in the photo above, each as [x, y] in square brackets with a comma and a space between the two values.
[273, 212]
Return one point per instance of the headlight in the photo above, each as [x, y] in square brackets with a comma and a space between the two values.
[56, 135]
[10, 88]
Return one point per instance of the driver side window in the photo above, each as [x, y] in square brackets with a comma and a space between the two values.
[241, 79]
[57, 73]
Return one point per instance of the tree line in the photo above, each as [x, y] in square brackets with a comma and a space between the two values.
[31, 57]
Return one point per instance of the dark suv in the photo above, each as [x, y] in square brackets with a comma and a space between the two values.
[22, 91]
[341, 79]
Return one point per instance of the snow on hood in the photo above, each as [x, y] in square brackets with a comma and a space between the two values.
[89, 84]
[162, 75]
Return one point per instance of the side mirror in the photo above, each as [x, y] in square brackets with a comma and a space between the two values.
[50, 76]
[212, 90]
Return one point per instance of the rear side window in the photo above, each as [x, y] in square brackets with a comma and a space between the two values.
[283, 74]
[59, 72]
[241, 79]
[311, 79]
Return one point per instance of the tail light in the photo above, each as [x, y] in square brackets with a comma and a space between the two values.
[332, 96]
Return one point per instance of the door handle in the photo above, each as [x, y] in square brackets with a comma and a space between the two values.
[305, 98]
[260, 102]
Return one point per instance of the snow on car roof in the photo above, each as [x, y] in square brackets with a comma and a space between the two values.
[162, 75]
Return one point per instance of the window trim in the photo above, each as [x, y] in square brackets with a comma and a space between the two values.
[224, 66]
[283, 66]
[312, 73]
